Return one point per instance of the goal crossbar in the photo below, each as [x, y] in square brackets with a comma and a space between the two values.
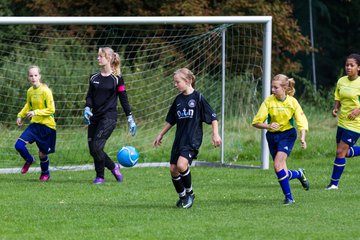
[87, 20]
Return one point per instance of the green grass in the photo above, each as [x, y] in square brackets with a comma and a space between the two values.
[229, 204]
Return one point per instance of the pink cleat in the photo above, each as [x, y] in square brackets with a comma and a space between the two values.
[44, 177]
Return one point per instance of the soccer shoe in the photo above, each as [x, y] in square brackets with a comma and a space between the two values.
[288, 201]
[332, 187]
[26, 166]
[98, 180]
[303, 180]
[179, 203]
[117, 174]
[189, 201]
[44, 177]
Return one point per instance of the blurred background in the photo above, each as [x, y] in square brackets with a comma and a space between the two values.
[311, 38]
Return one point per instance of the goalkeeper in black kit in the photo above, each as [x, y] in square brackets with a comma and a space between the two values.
[188, 111]
[100, 113]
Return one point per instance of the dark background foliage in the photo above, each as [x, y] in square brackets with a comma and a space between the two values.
[335, 24]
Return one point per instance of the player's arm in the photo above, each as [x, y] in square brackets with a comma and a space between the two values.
[216, 139]
[302, 124]
[260, 118]
[336, 108]
[22, 114]
[123, 97]
[302, 138]
[158, 139]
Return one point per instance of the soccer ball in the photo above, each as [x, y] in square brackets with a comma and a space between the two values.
[128, 156]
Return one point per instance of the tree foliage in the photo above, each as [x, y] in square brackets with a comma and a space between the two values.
[287, 38]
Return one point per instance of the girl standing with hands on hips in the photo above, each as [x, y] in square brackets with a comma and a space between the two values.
[40, 108]
[188, 111]
[282, 111]
[100, 112]
[347, 109]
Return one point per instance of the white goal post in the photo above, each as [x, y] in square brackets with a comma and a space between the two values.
[265, 21]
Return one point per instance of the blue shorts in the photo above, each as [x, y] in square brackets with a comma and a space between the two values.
[44, 137]
[347, 136]
[189, 154]
[281, 141]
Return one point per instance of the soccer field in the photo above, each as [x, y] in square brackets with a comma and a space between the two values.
[229, 204]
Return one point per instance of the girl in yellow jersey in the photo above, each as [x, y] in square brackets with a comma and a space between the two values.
[282, 111]
[347, 109]
[40, 108]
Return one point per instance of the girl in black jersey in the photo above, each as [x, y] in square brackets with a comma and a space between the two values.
[188, 111]
[100, 111]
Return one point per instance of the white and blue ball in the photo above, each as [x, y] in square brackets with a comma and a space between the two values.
[128, 156]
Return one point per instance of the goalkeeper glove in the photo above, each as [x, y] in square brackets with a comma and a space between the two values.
[87, 115]
[132, 125]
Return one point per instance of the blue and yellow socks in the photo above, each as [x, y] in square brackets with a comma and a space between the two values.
[20, 146]
[44, 164]
[339, 165]
[284, 183]
[353, 151]
[294, 174]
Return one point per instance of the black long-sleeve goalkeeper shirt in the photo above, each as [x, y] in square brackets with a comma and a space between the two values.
[102, 96]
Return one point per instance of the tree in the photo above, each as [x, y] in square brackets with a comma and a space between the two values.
[287, 38]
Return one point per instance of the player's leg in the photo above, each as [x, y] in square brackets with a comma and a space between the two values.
[93, 146]
[345, 139]
[339, 165]
[106, 128]
[45, 140]
[354, 151]
[178, 184]
[44, 165]
[281, 173]
[20, 146]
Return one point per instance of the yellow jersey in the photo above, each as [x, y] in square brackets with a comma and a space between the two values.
[286, 113]
[41, 101]
[348, 93]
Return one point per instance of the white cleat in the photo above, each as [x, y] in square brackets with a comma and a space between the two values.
[332, 187]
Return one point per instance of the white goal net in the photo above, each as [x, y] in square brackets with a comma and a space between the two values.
[230, 58]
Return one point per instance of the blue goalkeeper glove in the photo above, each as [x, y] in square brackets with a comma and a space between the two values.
[132, 125]
[87, 115]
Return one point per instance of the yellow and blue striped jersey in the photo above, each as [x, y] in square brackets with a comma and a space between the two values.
[348, 93]
[41, 101]
[286, 113]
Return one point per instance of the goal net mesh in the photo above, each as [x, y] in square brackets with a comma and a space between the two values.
[150, 54]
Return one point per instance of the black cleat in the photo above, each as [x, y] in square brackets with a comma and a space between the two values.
[303, 180]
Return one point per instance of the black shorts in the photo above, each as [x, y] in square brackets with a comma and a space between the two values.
[189, 154]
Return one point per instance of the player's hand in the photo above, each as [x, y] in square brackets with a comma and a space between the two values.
[132, 125]
[274, 126]
[216, 140]
[354, 113]
[19, 122]
[158, 140]
[303, 143]
[334, 112]
[87, 115]
[30, 114]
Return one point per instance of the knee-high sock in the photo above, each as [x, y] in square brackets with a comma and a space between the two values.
[20, 146]
[179, 186]
[354, 151]
[44, 164]
[186, 179]
[284, 183]
[339, 165]
[294, 174]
